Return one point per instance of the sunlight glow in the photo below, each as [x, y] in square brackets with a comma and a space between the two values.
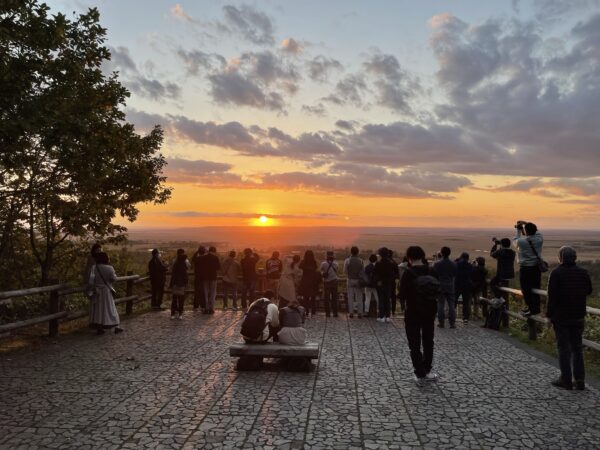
[263, 219]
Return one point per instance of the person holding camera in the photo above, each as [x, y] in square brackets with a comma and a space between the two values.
[529, 242]
[505, 265]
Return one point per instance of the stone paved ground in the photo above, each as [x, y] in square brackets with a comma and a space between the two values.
[171, 384]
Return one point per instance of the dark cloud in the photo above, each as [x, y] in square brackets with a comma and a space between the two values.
[202, 172]
[349, 90]
[232, 88]
[138, 82]
[345, 124]
[317, 110]
[321, 67]
[195, 60]
[250, 23]
[554, 10]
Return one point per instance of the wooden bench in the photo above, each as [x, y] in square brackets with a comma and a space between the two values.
[295, 357]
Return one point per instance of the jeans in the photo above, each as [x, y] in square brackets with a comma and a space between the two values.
[177, 304]
[466, 302]
[330, 291]
[384, 292]
[199, 298]
[229, 288]
[248, 288]
[570, 349]
[355, 297]
[158, 290]
[443, 299]
[530, 278]
[419, 331]
[210, 293]
[370, 293]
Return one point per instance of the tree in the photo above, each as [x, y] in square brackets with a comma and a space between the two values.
[69, 162]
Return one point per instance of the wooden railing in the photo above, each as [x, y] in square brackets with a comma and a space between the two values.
[532, 321]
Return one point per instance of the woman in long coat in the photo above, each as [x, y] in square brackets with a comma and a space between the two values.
[290, 280]
[103, 311]
[309, 284]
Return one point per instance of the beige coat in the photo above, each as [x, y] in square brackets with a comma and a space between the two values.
[289, 281]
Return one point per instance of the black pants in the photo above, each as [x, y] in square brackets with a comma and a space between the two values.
[531, 278]
[177, 304]
[384, 292]
[419, 331]
[199, 299]
[158, 290]
[393, 300]
[495, 284]
[330, 292]
[309, 304]
[466, 301]
[570, 350]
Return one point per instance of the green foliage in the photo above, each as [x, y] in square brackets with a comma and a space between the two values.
[68, 160]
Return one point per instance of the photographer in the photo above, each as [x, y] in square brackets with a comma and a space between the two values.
[505, 265]
[529, 242]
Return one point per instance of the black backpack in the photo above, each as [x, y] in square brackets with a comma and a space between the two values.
[427, 287]
[255, 321]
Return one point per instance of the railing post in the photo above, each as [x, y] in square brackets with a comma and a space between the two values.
[505, 319]
[53, 308]
[129, 293]
[532, 329]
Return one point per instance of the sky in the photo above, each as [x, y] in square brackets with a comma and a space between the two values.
[356, 113]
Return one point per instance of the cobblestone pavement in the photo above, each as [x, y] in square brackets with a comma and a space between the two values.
[172, 384]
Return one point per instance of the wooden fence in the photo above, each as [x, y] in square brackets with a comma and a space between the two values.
[533, 321]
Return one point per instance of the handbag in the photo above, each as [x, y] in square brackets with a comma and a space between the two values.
[542, 265]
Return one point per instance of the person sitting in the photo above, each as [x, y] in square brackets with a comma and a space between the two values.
[291, 321]
[261, 322]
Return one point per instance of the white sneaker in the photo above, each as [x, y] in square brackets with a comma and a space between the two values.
[431, 376]
[180, 317]
[420, 382]
[380, 319]
[173, 317]
[387, 319]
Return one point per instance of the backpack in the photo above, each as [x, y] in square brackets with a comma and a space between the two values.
[494, 318]
[255, 321]
[427, 287]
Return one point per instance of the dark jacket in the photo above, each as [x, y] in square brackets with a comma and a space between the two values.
[479, 278]
[415, 307]
[463, 276]
[179, 276]
[568, 287]
[157, 271]
[198, 263]
[311, 278]
[211, 265]
[291, 317]
[385, 272]
[505, 269]
[369, 269]
[445, 271]
[249, 267]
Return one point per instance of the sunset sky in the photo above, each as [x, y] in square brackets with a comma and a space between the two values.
[383, 113]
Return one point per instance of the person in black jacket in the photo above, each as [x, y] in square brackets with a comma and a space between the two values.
[198, 265]
[505, 266]
[178, 283]
[419, 316]
[568, 287]
[464, 284]
[158, 276]
[385, 277]
[210, 267]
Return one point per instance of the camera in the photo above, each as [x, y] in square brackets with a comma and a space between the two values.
[495, 240]
[520, 224]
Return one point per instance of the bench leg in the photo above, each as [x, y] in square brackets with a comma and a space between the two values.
[249, 363]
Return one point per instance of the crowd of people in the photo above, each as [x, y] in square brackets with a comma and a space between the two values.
[425, 290]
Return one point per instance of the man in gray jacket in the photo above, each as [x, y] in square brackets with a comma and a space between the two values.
[445, 271]
[529, 242]
[354, 268]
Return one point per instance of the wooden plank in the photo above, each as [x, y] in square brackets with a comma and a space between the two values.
[593, 311]
[128, 277]
[73, 290]
[141, 280]
[31, 291]
[591, 344]
[511, 291]
[125, 299]
[34, 321]
[275, 350]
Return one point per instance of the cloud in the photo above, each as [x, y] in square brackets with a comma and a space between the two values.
[347, 125]
[178, 13]
[553, 10]
[240, 215]
[136, 81]
[251, 24]
[320, 68]
[317, 110]
[291, 46]
[232, 88]
[349, 90]
[195, 60]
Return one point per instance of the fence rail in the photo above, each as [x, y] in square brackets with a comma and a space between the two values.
[532, 321]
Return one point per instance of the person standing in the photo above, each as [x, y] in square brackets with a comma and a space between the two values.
[309, 283]
[249, 276]
[568, 288]
[329, 270]
[87, 271]
[464, 285]
[529, 243]
[178, 283]
[158, 277]
[393, 296]
[445, 271]
[290, 280]
[420, 290]
[401, 268]
[478, 282]
[103, 311]
[371, 288]
[354, 269]
[505, 265]
[212, 265]
[385, 277]
[198, 264]
[231, 270]
[273, 269]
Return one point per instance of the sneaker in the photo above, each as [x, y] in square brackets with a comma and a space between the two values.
[580, 385]
[234, 308]
[173, 317]
[118, 330]
[388, 320]
[465, 322]
[420, 382]
[559, 383]
[380, 319]
[431, 376]
[351, 316]
[180, 317]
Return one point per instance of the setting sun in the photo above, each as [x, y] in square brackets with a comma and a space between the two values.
[263, 219]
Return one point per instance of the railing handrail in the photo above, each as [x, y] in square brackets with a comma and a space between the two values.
[589, 309]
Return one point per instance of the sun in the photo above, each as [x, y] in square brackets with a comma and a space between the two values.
[263, 220]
